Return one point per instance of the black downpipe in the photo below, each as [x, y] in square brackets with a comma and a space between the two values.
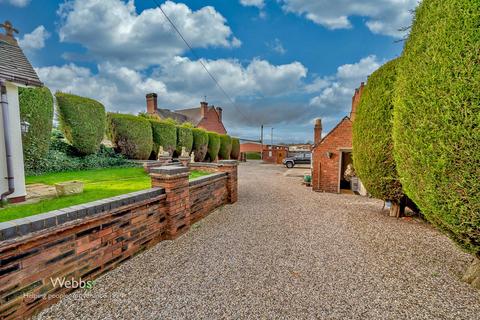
[8, 146]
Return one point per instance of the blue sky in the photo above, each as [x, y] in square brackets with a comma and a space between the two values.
[283, 62]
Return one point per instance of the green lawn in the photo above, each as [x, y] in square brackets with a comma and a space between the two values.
[99, 184]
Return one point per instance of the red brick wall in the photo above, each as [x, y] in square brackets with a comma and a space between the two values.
[201, 203]
[83, 249]
[275, 155]
[212, 122]
[250, 147]
[325, 172]
[87, 247]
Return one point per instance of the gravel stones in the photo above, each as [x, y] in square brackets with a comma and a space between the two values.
[285, 252]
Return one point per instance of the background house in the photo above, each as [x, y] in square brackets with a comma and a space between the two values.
[333, 153]
[205, 117]
[15, 71]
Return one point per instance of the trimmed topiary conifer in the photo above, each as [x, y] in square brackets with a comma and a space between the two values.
[436, 127]
[372, 137]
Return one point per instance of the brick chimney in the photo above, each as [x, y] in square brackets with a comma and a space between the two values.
[219, 111]
[152, 105]
[203, 108]
[317, 131]
[356, 100]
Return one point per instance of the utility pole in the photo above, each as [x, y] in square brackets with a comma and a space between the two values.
[261, 141]
[271, 137]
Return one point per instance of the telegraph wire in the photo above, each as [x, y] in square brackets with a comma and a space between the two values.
[200, 61]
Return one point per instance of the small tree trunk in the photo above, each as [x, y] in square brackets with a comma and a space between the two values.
[472, 275]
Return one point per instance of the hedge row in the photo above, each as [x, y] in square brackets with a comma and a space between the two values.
[235, 149]
[200, 144]
[131, 135]
[213, 146]
[225, 147]
[184, 139]
[424, 109]
[165, 135]
[82, 121]
[36, 107]
[83, 124]
[436, 127]
[372, 136]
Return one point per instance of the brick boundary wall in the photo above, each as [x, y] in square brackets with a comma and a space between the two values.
[85, 241]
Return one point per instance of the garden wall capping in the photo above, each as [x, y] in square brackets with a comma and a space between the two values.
[170, 170]
[39, 222]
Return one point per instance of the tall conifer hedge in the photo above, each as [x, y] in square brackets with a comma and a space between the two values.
[200, 144]
[82, 121]
[436, 127]
[372, 136]
[213, 146]
[36, 107]
[131, 135]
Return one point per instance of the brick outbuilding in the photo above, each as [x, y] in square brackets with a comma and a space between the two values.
[333, 153]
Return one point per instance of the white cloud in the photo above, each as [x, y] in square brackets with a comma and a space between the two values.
[253, 3]
[112, 30]
[277, 46]
[259, 77]
[34, 40]
[383, 16]
[179, 84]
[334, 93]
[119, 89]
[16, 3]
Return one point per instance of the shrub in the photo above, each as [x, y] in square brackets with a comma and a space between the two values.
[59, 143]
[225, 147]
[36, 107]
[436, 127]
[82, 121]
[184, 139]
[254, 156]
[213, 146]
[131, 135]
[58, 161]
[235, 154]
[165, 135]
[170, 121]
[372, 136]
[200, 144]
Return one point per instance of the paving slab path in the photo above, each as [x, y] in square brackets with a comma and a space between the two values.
[285, 252]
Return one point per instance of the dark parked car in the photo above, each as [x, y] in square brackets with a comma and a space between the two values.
[303, 158]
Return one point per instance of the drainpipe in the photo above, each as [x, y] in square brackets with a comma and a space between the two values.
[8, 147]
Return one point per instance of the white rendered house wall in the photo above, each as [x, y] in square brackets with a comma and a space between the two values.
[16, 143]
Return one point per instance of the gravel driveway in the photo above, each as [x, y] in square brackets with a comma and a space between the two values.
[285, 252]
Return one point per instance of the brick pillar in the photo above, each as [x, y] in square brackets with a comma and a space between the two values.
[230, 167]
[174, 179]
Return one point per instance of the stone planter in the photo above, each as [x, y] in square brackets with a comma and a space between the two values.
[184, 161]
[69, 188]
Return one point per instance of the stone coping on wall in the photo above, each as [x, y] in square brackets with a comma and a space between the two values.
[170, 170]
[24, 226]
[213, 164]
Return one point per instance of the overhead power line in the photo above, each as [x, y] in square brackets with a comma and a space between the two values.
[200, 61]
